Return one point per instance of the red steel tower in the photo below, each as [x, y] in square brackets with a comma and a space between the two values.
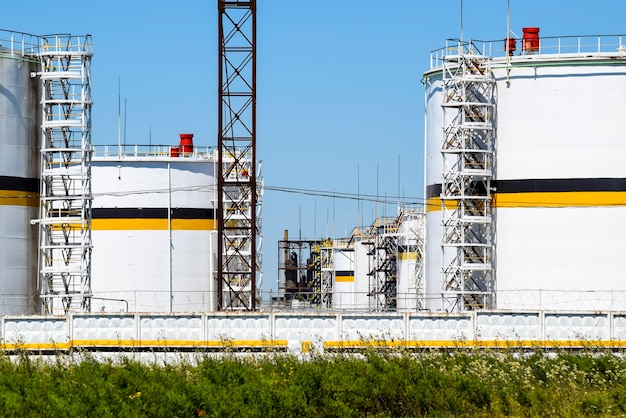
[236, 183]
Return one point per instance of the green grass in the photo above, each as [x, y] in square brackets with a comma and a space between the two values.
[374, 383]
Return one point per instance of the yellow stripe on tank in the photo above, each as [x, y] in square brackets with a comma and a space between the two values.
[344, 276]
[18, 198]
[138, 224]
[194, 224]
[544, 200]
[559, 199]
[434, 204]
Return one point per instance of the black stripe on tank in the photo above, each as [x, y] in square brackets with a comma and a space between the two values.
[344, 273]
[434, 190]
[560, 185]
[152, 213]
[547, 185]
[22, 184]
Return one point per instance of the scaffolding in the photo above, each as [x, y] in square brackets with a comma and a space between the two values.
[237, 177]
[382, 243]
[467, 151]
[65, 206]
[327, 271]
[260, 187]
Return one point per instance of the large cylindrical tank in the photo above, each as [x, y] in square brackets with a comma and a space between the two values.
[344, 284]
[559, 178]
[351, 284]
[410, 291]
[408, 294]
[19, 180]
[154, 233]
[362, 268]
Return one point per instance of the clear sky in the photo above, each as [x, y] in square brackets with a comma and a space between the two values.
[340, 106]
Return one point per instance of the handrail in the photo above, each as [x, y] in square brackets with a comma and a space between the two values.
[151, 151]
[573, 46]
[27, 44]
[18, 43]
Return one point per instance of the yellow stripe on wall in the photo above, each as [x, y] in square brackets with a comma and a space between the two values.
[146, 344]
[344, 279]
[307, 346]
[126, 224]
[351, 344]
[18, 198]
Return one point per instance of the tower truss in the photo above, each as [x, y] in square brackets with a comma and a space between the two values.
[467, 151]
[65, 206]
[237, 194]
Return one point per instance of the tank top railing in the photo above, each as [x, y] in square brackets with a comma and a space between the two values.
[587, 46]
[18, 43]
[151, 151]
[26, 44]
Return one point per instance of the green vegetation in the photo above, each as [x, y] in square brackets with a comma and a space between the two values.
[372, 383]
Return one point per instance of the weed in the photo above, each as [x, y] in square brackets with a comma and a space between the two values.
[376, 382]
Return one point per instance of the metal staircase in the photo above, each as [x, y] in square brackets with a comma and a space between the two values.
[327, 272]
[65, 208]
[384, 272]
[467, 150]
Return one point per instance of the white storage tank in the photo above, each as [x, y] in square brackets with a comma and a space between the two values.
[344, 284]
[154, 230]
[410, 287]
[363, 266]
[351, 284]
[19, 168]
[558, 175]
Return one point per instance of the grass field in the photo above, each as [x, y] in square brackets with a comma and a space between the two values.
[372, 383]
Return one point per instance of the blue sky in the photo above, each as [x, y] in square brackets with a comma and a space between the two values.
[340, 106]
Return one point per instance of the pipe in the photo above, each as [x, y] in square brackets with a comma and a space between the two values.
[169, 228]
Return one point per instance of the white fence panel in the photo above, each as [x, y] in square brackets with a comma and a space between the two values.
[36, 330]
[250, 327]
[172, 329]
[372, 327]
[313, 329]
[510, 326]
[440, 327]
[619, 327]
[104, 329]
[576, 326]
